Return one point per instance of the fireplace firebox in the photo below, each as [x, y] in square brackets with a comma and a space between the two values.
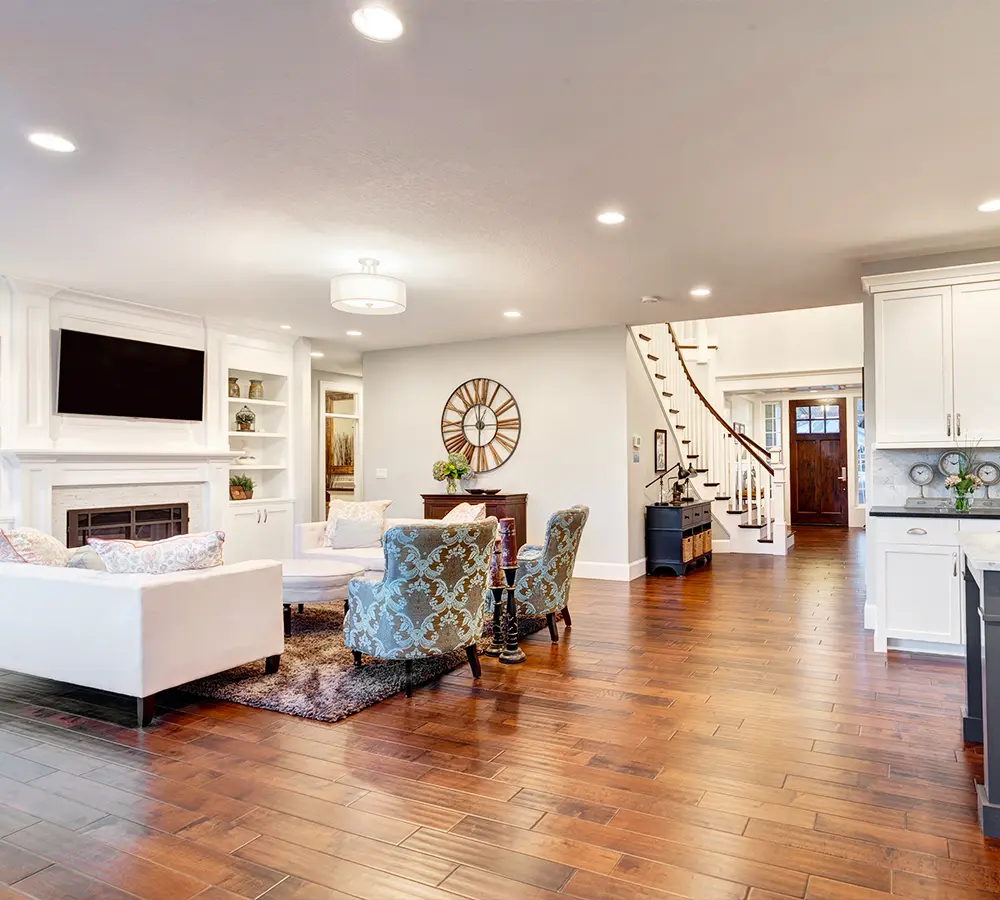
[136, 523]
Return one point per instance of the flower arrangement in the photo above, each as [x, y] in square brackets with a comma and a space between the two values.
[451, 469]
[965, 482]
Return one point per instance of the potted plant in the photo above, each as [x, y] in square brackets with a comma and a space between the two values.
[451, 470]
[965, 482]
[241, 487]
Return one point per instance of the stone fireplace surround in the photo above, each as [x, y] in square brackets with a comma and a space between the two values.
[41, 486]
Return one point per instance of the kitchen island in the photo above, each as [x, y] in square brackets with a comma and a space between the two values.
[982, 667]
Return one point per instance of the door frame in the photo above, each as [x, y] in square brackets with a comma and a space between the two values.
[347, 387]
[793, 462]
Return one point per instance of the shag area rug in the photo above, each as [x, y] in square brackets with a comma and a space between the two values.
[317, 678]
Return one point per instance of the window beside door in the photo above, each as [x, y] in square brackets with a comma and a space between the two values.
[772, 426]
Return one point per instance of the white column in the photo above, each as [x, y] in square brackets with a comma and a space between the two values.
[300, 441]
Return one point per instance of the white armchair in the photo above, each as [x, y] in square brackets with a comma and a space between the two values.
[309, 544]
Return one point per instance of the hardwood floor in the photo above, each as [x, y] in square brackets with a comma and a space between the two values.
[727, 736]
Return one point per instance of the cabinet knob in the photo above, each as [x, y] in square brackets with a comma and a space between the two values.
[915, 531]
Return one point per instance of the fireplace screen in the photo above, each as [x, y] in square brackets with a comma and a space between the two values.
[136, 523]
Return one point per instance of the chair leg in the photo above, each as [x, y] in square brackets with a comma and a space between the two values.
[302, 607]
[472, 651]
[286, 615]
[553, 633]
[566, 618]
[357, 658]
[271, 664]
[408, 676]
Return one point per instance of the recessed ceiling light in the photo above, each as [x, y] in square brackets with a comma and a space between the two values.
[354, 334]
[611, 218]
[512, 314]
[699, 293]
[377, 23]
[990, 206]
[316, 354]
[285, 327]
[54, 142]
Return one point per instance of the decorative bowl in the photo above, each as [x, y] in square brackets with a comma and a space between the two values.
[476, 490]
[490, 491]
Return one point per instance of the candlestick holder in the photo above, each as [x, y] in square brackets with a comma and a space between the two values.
[497, 584]
[511, 653]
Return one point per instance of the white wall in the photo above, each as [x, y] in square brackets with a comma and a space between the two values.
[801, 340]
[645, 415]
[570, 389]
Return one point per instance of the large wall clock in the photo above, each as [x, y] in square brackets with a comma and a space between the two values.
[482, 422]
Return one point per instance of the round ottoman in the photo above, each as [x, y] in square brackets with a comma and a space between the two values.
[314, 581]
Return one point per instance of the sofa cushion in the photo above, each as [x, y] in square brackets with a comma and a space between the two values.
[29, 545]
[371, 559]
[355, 524]
[465, 513]
[177, 554]
[86, 558]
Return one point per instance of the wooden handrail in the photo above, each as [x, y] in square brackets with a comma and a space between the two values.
[750, 446]
[763, 450]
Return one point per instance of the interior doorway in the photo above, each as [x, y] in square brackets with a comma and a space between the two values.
[818, 462]
[340, 443]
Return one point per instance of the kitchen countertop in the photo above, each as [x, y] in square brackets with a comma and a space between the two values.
[929, 512]
[982, 551]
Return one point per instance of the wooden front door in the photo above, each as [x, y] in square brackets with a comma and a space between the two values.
[818, 463]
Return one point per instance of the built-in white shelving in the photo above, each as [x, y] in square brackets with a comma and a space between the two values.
[246, 401]
[257, 434]
[268, 444]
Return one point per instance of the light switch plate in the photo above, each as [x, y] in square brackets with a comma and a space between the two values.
[381, 473]
[636, 441]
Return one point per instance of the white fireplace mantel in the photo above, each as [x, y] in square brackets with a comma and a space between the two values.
[116, 456]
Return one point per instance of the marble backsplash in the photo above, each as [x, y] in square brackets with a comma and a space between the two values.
[889, 485]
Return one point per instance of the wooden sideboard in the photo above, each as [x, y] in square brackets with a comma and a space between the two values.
[503, 506]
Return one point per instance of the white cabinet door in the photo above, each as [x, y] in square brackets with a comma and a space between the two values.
[913, 368]
[276, 531]
[976, 324]
[244, 540]
[922, 594]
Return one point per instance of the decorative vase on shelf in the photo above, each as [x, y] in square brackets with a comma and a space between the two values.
[962, 502]
[256, 391]
[451, 487]
[234, 386]
[245, 419]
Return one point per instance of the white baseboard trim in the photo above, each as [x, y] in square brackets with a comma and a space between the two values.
[636, 569]
[871, 616]
[603, 571]
[929, 647]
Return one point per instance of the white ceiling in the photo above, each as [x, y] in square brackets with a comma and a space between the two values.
[235, 154]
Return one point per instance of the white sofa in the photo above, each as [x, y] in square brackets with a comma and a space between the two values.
[309, 545]
[139, 634]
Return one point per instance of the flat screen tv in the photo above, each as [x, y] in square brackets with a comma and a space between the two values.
[108, 376]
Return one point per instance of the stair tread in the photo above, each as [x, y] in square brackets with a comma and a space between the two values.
[686, 441]
[644, 337]
[717, 497]
[674, 411]
[661, 377]
[692, 456]
[680, 426]
[653, 358]
[667, 394]
[765, 540]
[711, 484]
[701, 471]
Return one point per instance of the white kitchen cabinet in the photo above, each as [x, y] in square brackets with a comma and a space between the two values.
[259, 531]
[913, 368]
[921, 592]
[975, 326]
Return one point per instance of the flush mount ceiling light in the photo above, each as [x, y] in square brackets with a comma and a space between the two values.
[651, 298]
[377, 23]
[354, 334]
[512, 314]
[368, 293]
[611, 217]
[285, 327]
[316, 354]
[700, 293]
[54, 142]
[990, 206]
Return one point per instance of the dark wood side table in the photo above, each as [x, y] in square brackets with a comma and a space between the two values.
[503, 506]
[678, 537]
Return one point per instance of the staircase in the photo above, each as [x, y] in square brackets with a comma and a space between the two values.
[747, 490]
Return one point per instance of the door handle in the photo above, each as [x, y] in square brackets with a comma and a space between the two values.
[954, 557]
[915, 531]
[958, 424]
[265, 516]
[258, 517]
[843, 474]
[949, 424]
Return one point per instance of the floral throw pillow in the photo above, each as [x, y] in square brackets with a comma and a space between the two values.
[177, 554]
[355, 524]
[34, 547]
[465, 513]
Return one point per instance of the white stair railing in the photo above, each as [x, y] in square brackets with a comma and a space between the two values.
[729, 464]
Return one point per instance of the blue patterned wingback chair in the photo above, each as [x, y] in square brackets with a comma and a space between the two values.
[544, 573]
[430, 599]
